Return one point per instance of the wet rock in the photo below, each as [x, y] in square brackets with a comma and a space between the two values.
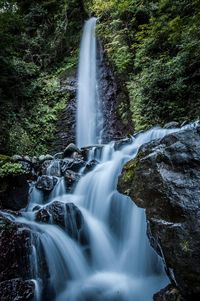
[70, 149]
[169, 293]
[71, 178]
[184, 123]
[46, 183]
[171, 125]
[69, 84]
[28, 159]
[165, 179]
[115, 105]
[14, 192]
[43, 167]
[96, 150]
[43, 158]
[72, 164]
[58, 155]
[65, 215]
[66, 126]
[54, 168]
[17, 289]
[27, 167]
[16, 158]
[34, 160]
[122, 142]
[90, 166]
[15, 246]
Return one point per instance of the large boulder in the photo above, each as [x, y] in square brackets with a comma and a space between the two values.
[165, 179]
[17, 289]
[15, 246]
[65, 215]
[14, 192]
[71, 179]
[70, 149]
[46, 183]
[72, 164]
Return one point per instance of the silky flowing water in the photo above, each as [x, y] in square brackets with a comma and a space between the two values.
[89, 118]
[119, 264]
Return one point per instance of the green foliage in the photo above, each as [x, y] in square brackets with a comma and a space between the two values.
[36, 131]
[4, 158]
[11, 169]
[154, 48]
[39, 42]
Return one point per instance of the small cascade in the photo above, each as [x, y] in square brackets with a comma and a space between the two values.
[93, 241]
[89, 118]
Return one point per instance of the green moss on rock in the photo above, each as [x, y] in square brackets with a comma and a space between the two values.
[9, 168]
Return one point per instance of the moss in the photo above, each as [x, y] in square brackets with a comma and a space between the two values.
[185, 246]
[151, 51]
[9, 168]
[3, 159]
[127, 177]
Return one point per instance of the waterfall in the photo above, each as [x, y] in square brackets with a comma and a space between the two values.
[89, 120]
[115, 262]
[119, 264]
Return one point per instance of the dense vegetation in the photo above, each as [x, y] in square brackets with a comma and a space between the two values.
[153, 48]
[39, 44]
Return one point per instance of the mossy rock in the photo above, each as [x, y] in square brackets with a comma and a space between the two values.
[11, 169]
[4, 158]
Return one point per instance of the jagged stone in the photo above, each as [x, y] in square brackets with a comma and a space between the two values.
[71, 178]
[165, 179]
[15, 246]
[70, 149]
[122, 142]
[169, 293]
[65, 215]
[17, 290]
[90, 166]
[46, 183]
[72, 164]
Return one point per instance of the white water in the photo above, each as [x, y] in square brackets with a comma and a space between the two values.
[89, 118]
[120, 264]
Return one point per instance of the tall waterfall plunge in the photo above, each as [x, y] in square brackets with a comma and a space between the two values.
[89, 121]
[113, 261]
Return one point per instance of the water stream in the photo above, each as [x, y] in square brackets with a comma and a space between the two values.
[89, 113]
[118, 263]
[121, 265]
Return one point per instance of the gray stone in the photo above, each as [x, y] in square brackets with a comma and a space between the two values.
[171, 125]
[46, 183]
[165, 180]
[70, 149]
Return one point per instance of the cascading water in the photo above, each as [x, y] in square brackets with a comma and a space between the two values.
[89, 116]
[118, 263]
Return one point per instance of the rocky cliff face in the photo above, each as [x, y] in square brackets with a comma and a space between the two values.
[66, 125]
[112, 96]
[15, 245]
[165, 180]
